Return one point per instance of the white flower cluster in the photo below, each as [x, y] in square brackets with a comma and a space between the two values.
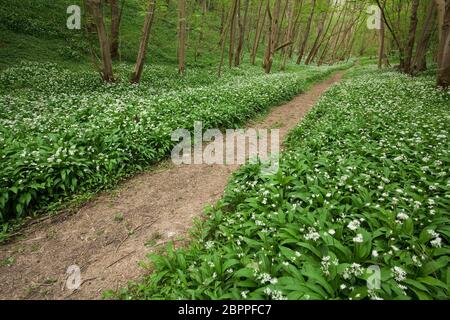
[326, 263]
[312, 234]
[398, 273]
[354, 270]
[354, 224]
[437, 240]
[274, 294]
[265, 278]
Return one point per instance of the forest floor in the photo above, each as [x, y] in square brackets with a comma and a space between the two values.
[110, 235]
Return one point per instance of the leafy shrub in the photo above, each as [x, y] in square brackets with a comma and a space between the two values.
[363, 185]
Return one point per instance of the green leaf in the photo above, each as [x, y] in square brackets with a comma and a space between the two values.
[434, 265]
[433, 282]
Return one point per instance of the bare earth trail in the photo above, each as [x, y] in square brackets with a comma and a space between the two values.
[155, 206]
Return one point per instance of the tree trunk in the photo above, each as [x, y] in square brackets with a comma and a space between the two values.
[241, 23]
[96, 10]
[232, 32]
[296, 36]
[280, 23]
[411, 37]
[244, 27]
[223, 39]
[335, 47]
[137, 73]
[324, 34]
[393, 33]
[259, 28]
[307, 31]
[443, 77]
[181, 36]
[342, 14]
[288, 35]
[115, 28]
[420, 60]
[320, 29]
[381, 45]
[248, 27]
[272, 35]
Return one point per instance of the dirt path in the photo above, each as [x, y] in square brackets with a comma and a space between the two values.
[107, 237]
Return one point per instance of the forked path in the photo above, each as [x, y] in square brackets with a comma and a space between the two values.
[108, 236]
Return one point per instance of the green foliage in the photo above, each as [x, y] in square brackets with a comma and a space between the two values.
[364, 182]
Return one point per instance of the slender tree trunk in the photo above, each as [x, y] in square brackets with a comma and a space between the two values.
[115, 28]
[96, 10]
[381, 45]
[239, 34]
[248, 27]
[181, 36]
[268, 37]
[335, 47]
[315, 46]
[296, 36]
[349, 50]
[324, 34]
[272, 35]
[420, 60]
[412, 37]
[232, 32]
[288, 35]
[137, 73]
[223, 39]
[259, 28]
[307, 31]
[350, 36]
[241, 22]
[324, 52]
[393, 33]
[342, 13]
[280, 23]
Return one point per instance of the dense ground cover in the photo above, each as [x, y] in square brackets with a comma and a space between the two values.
[363, 185]
[64, 132]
